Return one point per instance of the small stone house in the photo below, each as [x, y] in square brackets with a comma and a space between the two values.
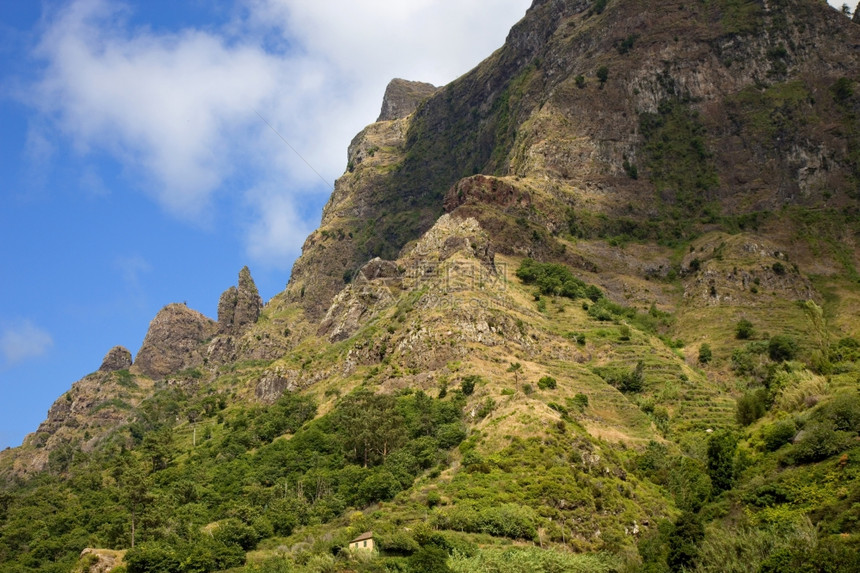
[363, 542]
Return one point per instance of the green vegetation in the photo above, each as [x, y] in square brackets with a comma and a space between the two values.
[781, 348]
[516, 560]
[739, 16]
[678, 158]
[159, 495]
[626, 380]
[743, 329]
[705, 353]
[557, 280]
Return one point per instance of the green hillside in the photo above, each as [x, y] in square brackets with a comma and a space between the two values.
[591, 307]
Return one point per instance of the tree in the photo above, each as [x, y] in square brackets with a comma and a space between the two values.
[159, 447]
[602, 74]
[721, 457]
[516, 367]
[781, 348]
[751, 406]
[634, 380]
[684, 542]
[133, 487]
[370, 425]
[429, 559]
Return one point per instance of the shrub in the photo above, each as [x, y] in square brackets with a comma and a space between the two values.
[843, 411]
[743, 329]
[633, 381]
[534, 560]
[631, 169]
[721, 454]
[778, 434]
[842, 89]
[467, 386]
[778, 268]
[151, 557]
[705, 354]
[234, 532]
[552, 279]
[580, 81]
[602, 74]
[429, 559]
[819, 441]
[846, 350]
[547, 383]
[433, 499]
[751, 406]
[781, 348]
[580, 401]
[449, 435]
[487, 406]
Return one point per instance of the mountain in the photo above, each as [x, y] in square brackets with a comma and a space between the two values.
[591, 306]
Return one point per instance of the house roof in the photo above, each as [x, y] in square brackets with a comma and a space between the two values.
[363, 536]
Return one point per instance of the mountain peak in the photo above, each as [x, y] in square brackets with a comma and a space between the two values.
[402, 98]
[173, 341]
[239, 307]
[117, 358]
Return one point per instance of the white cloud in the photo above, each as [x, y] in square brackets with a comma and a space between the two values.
[179, 109]
[167, 104]
[131, 268]
[276, 230]
[22, 340]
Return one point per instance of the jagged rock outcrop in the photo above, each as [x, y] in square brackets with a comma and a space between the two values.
[239, 307]
[402, 97]
[175, 341]
[693, 107]
[374, 287]
[117, 358]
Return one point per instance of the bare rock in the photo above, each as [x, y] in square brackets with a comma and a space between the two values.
[238, 308]
[402, 98]
[352, 307]
[175, 341]
[117, 358]
[99, 560]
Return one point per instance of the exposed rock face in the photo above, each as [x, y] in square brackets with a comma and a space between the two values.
[117, 358]
[402, 98]
[101, 560]
[339, 247]
[80, 418]
[375, 286]
[175, 341]
[239, 307]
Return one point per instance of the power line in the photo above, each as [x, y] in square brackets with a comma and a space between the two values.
[323, 179]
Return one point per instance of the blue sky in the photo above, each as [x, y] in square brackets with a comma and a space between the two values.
[135, 172]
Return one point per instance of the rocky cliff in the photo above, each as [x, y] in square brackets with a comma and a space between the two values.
[570, 235]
